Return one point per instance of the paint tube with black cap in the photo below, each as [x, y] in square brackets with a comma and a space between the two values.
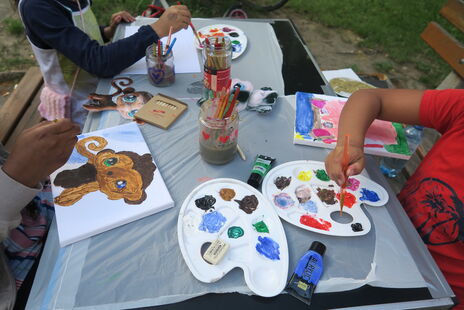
[307, 273]
[261, 167]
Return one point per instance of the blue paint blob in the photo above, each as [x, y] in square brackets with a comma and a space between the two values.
[304, 121]
[236, 48]
[268, 247]
[212, 222]
[283, 201]
[369, 195]
[309, 206]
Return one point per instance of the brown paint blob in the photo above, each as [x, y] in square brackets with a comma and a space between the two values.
[227, 194]
[326, 195]
[282, 182]
[248, 204]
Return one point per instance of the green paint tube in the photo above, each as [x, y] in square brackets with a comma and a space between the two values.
[261, 167]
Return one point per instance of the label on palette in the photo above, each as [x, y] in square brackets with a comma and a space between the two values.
[250, 234]
[302, 194]
[238, 39]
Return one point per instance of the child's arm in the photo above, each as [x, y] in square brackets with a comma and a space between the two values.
[362, 108]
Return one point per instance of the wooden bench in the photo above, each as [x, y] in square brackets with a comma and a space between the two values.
[20, 112]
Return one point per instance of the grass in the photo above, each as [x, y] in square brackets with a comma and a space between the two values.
[393, 26]
[13, 26]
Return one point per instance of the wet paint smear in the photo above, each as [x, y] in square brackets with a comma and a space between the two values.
[248, 204]
[212, 222]
[261, 227]
[282, 182]
[327, 196]
[315, 222]
[268, 248]
[235, 232]
[304, 175]
[322, 175]
[303, 193]
[309, 206]
[356, 227]
[349, 201]
[236, 47]
[369, 195]
[283, 201]
[353, 184]
[205, 203]
[234, 34]
[227, 194]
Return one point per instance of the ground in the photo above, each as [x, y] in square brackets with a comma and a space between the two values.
[332, 48]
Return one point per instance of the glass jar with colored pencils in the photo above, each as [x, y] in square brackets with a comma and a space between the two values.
[160, 65]
[218, 121]
[217, 59]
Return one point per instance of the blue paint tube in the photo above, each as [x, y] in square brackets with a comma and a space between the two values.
[307, 273]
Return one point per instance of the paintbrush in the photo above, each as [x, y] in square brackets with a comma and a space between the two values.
[345, 163]
[193, 29]
[169, 39]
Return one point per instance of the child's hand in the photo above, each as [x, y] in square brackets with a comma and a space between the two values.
[176, 16]
[334, 163]
[116, 19]
[40, 150]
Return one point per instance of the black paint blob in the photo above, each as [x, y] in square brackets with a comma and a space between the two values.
[357, 227]
[205, 203]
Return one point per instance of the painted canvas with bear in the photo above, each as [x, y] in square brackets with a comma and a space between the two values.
[109, 180]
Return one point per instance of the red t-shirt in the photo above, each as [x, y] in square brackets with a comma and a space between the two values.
[434, 196]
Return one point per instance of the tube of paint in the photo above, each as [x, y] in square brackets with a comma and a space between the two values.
[307, 273]
[260, 168]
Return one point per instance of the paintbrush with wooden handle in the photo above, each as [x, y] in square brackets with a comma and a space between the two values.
[345, 163]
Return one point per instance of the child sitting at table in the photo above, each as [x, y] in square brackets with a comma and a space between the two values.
[38, 152]
[68, 28]
[433, 196]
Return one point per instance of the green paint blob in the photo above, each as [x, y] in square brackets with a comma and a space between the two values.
[261, 227]
[235, 232]
[402, 144]
[235, 42]
[322, 175]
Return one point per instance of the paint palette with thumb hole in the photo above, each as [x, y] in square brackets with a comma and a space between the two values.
[302, 194]
[224, 224]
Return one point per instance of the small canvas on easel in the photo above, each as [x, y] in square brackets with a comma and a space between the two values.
[316, 124]
[109, 180]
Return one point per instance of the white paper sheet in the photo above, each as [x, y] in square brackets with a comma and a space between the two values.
[185, 53]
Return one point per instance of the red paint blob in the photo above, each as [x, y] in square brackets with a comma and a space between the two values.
[349, 201]
[315, 222]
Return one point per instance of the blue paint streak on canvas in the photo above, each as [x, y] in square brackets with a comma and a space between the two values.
[268, 248]
[369, 195]
[77, 158]
[309, 206]
[212, 222]
[304, 120]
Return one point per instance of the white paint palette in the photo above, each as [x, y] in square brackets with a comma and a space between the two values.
[238, 39]
[303, 195]
[239, 215]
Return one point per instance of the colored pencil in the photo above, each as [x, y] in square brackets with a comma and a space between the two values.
[345, 164]
[159, 50]
[171, 46]
[231, 107]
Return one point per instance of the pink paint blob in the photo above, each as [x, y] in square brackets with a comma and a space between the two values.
[321, 133]
[353, 184]
[329, 141]
[320, 103]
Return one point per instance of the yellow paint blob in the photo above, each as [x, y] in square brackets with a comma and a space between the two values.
[305, 175]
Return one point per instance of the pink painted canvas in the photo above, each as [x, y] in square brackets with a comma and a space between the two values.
[316, 124]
